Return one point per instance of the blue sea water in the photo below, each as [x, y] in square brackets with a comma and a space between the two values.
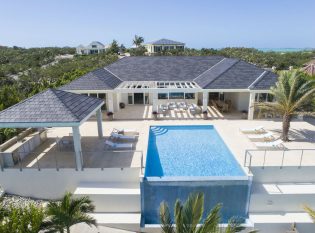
[285, 50]
[189, 151]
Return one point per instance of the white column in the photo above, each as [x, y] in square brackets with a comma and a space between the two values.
[99, 123]
[205, 96]
[251, 106]
[110, 102]
[118, 98]
[155, 100]
[77, 147]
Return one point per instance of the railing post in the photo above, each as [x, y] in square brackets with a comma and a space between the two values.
[56, 161]
[20, 161]
[264, 159]
[38, 167]
[142, 163]
[250, 162]
[245, 160]
[282, 159]
[302, 152]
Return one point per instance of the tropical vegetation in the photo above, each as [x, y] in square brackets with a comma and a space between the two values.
[188, 217]
[293, 94]
[57, 217]
[310, 212]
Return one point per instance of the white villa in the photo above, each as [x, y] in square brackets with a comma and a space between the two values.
[163, 45]
[64, 143]
[94, 47]
[231, 85]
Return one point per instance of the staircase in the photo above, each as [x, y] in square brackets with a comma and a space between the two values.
[116, 204]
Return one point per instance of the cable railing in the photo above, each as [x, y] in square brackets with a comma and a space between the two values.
[280, 158]
[66, 159]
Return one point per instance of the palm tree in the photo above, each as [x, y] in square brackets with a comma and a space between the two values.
[188, 215]
[138, 40]
[292, 93]
[310, 212]
[69, 211]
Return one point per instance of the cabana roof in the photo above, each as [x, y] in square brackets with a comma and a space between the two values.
[50, 108]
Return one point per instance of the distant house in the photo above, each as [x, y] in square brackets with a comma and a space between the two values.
[94, 47]
[163, 45]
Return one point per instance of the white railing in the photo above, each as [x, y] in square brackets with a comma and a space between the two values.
[281, 158]
[58, 160]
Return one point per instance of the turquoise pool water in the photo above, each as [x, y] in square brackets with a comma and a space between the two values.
[189, 151]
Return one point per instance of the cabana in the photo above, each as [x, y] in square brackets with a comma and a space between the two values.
[55, 108]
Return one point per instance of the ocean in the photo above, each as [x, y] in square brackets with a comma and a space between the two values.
[285, 50]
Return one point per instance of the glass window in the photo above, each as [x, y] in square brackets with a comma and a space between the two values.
[162, 96]
[93, 95]
[93, 46]
[177, 95]
[189, 96]
[262, 97]
[102, 95]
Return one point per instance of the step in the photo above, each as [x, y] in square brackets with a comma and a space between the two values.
[125, 221]
[108, 189]
[282, 197]
[280, 217]
[285, 188]
[112, 197]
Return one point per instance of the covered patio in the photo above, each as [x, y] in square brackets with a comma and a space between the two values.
[54, 108]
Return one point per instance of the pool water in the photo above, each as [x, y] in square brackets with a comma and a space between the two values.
[189, 151]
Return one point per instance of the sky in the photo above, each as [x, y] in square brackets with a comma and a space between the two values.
[198, 23]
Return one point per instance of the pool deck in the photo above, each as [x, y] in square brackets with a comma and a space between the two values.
[95, 155]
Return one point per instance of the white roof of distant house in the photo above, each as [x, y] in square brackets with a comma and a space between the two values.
[165, 42]
[96, 42]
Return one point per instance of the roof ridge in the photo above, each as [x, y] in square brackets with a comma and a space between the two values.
[112, 73]
[237, 61]
[209, 68]
[258, 79]
[67, 109]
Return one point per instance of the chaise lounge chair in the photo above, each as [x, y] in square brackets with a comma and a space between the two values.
[258, 129]
[278, 144]
[194, 109]
[268, 136]
[172, 105]
[127, 132]
[182, 105]
[117, 136]
[114, 145]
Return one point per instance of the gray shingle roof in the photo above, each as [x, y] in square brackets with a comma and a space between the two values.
[209, 72]
[269, 79]
[99, 79]
[162, 68]
[51, 106]
[209, 76]
[239, 76]
[165, 42]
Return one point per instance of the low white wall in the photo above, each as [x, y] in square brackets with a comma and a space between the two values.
[284, 227]
[283, 175]
[52, 184]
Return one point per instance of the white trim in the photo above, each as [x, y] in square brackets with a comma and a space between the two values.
[257, 79]
[90, 91]
[209, 69]
[113, 74]
[37, 124]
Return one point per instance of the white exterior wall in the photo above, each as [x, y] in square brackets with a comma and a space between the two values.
[52, 184]
[240, 100]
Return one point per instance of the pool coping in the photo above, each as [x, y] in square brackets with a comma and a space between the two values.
[197, 178]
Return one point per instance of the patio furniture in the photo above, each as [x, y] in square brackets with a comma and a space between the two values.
[163, 108]
[268, 136]
[172, 105]
[194, 109]
[114, 145]
[182, 105]
[277, 144]
[258, 129]
[127, 132]
[117, 136]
